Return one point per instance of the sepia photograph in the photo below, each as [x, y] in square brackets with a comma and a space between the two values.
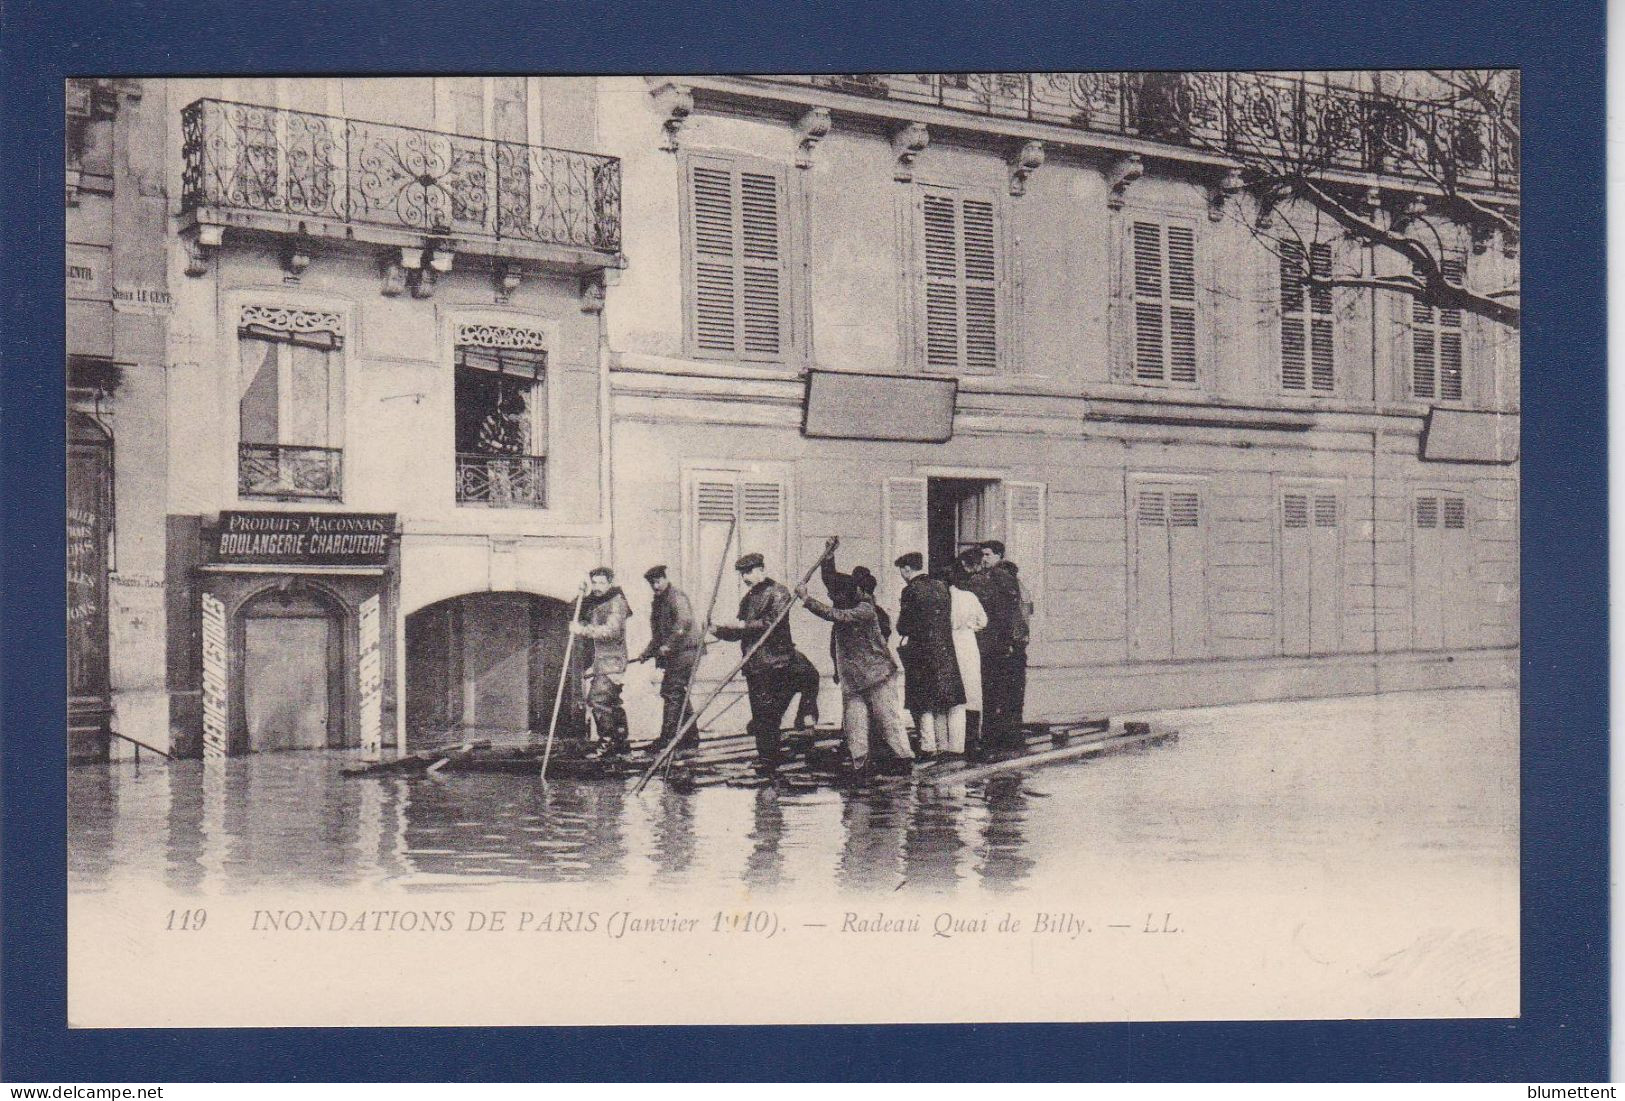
[822, 548]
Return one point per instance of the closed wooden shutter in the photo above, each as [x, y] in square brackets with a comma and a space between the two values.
[903, 501]
[1024, 539]
[1151, 632]
[1170, 591]
[1325, 586]
[1297, 558]
[757, 506]
[1427, 608]
[1307, 355]
[959, 260]
[736, 264]
[1438, 371]
[1163, 259]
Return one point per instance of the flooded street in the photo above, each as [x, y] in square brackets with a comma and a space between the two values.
[1341, 788]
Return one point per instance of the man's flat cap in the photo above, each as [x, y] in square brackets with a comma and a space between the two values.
[748, 562]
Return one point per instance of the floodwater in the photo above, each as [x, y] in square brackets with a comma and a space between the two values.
[1354, 785]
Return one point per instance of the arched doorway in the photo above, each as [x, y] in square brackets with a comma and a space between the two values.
[487, 666]
[293, 666]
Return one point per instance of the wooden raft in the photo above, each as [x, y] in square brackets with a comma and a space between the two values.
[811, 759]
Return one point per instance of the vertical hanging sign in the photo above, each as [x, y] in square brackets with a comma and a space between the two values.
[370, 675]
[214, 677]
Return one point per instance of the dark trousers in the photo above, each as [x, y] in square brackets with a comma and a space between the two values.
[771, 690]
[604, 698]
[1004, 695]
[674, 697]
[803, 675]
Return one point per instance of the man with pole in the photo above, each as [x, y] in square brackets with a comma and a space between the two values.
[602, 620]
[675, 646]
[763, 634]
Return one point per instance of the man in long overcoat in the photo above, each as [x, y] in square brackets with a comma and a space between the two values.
[931, 684]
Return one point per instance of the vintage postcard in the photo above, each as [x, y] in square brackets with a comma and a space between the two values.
[833, 548]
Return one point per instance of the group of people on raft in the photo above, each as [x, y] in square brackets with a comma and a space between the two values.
[962, 631]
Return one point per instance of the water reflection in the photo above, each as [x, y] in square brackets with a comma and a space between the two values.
[1264, 784]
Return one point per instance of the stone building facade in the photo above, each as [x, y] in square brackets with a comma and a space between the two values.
[401, 358]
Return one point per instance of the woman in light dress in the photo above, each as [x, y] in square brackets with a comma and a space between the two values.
[968, 617]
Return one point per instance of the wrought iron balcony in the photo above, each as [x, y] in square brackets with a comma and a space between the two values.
[242, 157]
[1243, 114]
[502, 481]
[272, 470]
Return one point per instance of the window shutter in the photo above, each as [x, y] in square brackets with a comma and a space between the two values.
[1307, 354]
[1148, 303]
[716, 258]
[959, 257]
[762, 523]
[1024, 538]
[1182, 304]
[1437, 367]
[905, 530]
[1294, 374]
[1427, 577]
[1164, 262]
[941, 241]
[1151, 629]
[762, 294]
[712, 511]
[737, 270]
[1297, 566]
[1322, 373]
[1325, 594]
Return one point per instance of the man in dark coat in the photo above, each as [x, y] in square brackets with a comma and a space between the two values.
[675, 646]
[1004, 645]
[772, 674]
[931, 683]
[863, 665]
[602, 622]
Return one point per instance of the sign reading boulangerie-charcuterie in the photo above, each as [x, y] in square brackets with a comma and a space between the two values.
[305, 538]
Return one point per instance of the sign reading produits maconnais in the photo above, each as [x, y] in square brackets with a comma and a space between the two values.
[370, 676]
[305, 538]
[214, 677]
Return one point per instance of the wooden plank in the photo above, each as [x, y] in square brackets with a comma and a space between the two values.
[1032, 760]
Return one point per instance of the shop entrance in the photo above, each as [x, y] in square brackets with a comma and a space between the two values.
[486, 665]
[958, 515]
[292, 672]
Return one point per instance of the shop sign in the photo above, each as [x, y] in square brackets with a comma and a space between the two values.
[304, 538]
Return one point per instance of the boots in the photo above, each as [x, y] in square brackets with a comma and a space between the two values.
[767, 749]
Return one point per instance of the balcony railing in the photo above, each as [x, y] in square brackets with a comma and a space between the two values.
[1243, 114]
[238, 156]
[272, 470]
[502, 481]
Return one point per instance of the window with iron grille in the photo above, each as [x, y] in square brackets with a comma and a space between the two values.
[736, 244]
[290, 404]
[959, 265]
[500, 428]
[1307, 356]
[1437, 342]
[1161, 284]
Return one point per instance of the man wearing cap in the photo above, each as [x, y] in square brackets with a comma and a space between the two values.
[604, 612]
[771, 673]
[674, 644]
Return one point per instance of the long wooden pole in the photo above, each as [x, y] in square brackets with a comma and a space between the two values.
[643, 781]
[1030, 760]
[710, 613]
[564, 677]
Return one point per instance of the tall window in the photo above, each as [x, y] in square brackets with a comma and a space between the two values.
[1437, 338]
[1307, 362]
[290, 409]
[737, 271]
[500, 412]
[754, 502]
[959, 258]
[1443, 595]
[1163, 260]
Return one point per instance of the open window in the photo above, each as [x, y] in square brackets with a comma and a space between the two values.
[290, 409]
[501, 424]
